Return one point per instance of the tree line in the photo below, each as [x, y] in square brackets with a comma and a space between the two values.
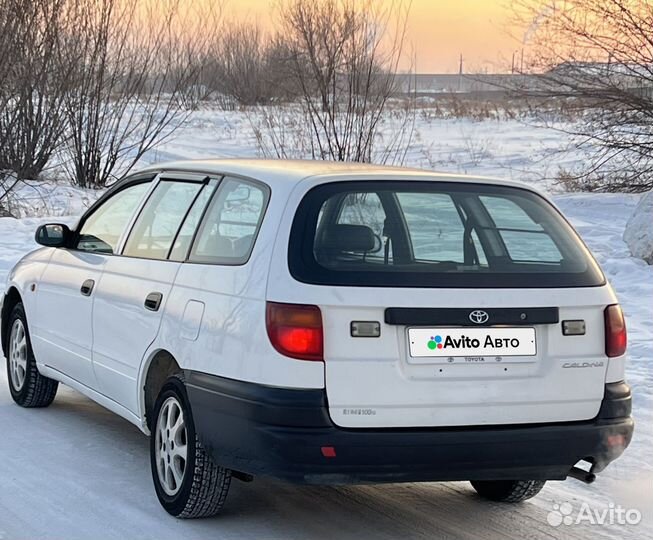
[97, 83]
[94, 84]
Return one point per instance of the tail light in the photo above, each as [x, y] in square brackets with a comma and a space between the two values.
[295, 330]
[615, 331]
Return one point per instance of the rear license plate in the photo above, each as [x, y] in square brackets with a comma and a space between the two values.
[473, 344]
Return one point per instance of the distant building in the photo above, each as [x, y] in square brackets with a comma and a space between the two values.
[567, 76]
[475, 85]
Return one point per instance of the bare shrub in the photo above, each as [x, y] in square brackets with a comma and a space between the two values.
[32, 84]
[237, 66]
[137, 61]
[341, 56]
[8, 183]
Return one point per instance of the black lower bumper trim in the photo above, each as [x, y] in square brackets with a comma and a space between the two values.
[282, 433]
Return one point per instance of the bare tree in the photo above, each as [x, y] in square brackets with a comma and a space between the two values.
[246, 66]
[136, 61]
[596, 56]
[342, 56]
[236, 64]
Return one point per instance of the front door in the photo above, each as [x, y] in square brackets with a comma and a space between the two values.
[62, 334]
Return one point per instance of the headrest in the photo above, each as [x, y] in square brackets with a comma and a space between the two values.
[356, 238]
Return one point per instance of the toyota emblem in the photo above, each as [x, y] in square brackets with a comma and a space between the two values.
[478, 316]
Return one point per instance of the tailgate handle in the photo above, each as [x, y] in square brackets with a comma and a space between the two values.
[153, 301]
[463, 316]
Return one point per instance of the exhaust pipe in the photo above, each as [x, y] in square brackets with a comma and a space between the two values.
[579, 474]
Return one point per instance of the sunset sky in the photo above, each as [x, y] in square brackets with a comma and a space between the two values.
[438, 32]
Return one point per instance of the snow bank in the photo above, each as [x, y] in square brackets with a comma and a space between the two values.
[639, 229]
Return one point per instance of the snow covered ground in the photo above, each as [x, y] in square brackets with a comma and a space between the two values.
[76, 471]
[523, 150]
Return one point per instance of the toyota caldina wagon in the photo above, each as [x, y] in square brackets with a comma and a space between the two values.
[327, 324]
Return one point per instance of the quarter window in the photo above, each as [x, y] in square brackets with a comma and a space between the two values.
[102, 230]
[232, 221]
[159, 221]
[525, 239]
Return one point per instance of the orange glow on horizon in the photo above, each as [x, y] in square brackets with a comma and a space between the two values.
[438, 32]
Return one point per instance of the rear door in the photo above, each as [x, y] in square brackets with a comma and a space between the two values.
[469, 285]
[133, 289]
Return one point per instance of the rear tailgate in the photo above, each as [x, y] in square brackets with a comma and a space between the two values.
[360, 248]
[376, 382]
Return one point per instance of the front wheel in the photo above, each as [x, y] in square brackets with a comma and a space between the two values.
[509, 491]
[187, 481]
[27, 386]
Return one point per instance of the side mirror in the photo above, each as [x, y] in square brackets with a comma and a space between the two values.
[52, 235]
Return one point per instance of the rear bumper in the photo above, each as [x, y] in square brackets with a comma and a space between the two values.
[287, 434]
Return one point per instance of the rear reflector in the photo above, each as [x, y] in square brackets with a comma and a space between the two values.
[328, 451]
[295, 330]
[615, 331]
[617, 440]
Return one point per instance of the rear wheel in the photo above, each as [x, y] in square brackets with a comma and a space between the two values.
[27, 386]
[187, 481]
[509, 491]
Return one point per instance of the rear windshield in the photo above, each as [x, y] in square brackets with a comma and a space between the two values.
[435, 234]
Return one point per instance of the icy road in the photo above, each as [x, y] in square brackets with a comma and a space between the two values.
[75, 470]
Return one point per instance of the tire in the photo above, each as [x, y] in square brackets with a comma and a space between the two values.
[508, 491]
[27, 386]
[194, 487]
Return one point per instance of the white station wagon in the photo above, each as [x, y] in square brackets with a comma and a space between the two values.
[327, 323]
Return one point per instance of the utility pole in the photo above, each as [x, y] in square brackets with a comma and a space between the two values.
[460, 73]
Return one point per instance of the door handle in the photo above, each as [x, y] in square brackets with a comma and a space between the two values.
[153, 301]
[87, 287]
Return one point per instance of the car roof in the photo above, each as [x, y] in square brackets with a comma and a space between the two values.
[285, 171]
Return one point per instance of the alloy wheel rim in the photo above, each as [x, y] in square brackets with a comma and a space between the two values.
[18, 355]
[171, 446]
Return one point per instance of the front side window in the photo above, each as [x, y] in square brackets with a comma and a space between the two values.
[435, 234]
[102, 230]
[231, 224]
[158, 223]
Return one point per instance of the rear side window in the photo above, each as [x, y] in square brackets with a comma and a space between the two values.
[435, 234]
[185, 235]
[231, 223]
[158, 222]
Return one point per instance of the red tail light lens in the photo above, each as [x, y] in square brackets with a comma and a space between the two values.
[615, 331]
[295, 330]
